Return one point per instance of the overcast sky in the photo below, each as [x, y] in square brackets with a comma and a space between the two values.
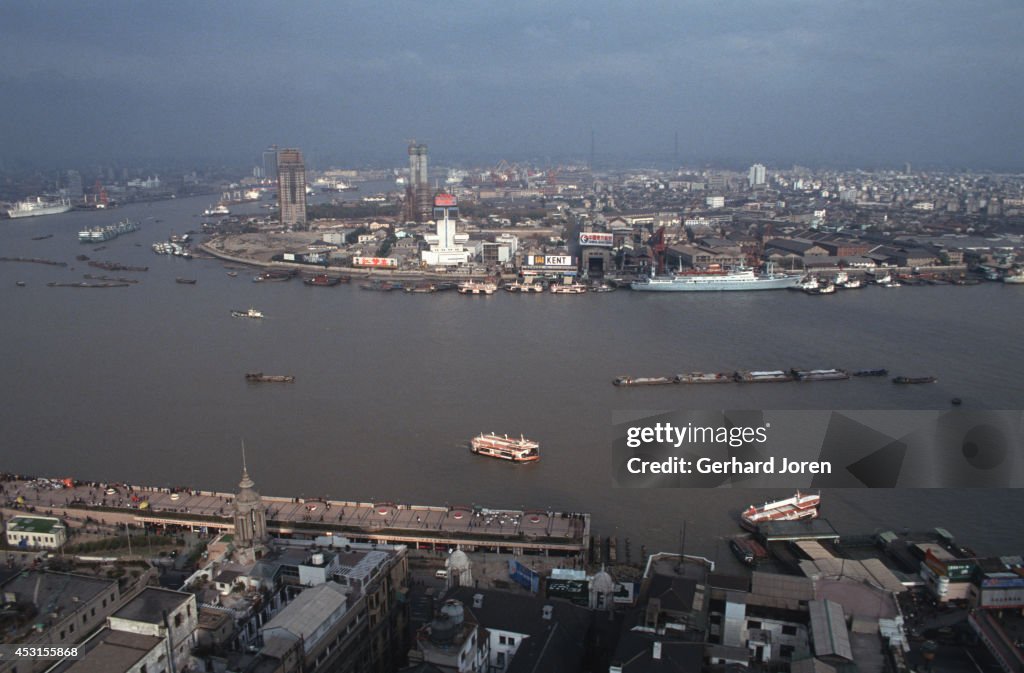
[783, 81]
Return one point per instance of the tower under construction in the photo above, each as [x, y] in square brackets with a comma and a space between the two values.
[291, 188]
[418, 201]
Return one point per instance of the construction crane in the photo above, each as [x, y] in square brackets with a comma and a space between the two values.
[658, 247]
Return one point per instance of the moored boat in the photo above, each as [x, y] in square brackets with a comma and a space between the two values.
[524, 287]
[517, 450]
[322, 280]
[799, 506]
[37, 207]
[276, 276]
[748, 551]
[251, 313]
[735, 279]
[185, 281]
[871, 372]
[568, 288]
[477, 287]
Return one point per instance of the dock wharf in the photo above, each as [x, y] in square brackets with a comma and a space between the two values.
[473, 527]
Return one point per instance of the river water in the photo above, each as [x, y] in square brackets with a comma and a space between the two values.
[145, 383]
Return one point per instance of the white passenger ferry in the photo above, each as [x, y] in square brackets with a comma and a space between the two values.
[518, 450]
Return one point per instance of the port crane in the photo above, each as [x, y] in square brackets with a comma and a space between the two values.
[658, 246]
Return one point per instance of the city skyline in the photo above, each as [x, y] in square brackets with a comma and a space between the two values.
[811, 84]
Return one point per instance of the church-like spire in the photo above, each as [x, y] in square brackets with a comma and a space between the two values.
[246, 482]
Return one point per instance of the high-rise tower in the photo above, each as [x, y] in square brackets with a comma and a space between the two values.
[417, 193]
[757, 175]
[291, 188]
[268, 163]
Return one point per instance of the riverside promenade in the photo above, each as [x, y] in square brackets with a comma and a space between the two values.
[419, 526]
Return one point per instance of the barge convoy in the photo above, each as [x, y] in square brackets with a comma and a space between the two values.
[765, 376]
[521, 450]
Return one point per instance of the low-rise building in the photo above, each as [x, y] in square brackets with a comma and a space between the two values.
[36, 532]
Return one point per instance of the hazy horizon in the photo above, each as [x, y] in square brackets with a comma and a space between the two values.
[856, 85]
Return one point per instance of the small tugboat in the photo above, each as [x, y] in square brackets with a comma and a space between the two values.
[251, 313]
[521, 450]
[914, 379]
[748, 551]
[800, 506]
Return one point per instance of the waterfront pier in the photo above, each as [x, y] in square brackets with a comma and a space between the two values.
[473, 527]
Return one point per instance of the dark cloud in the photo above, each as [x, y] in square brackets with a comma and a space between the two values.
[776, 81]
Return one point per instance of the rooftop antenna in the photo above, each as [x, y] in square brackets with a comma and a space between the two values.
[682, 548]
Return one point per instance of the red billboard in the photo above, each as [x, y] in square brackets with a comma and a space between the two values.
[376, 262]
[444, 200]
[596, 238]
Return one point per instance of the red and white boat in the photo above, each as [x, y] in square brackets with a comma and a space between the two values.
[800, 506]
[518, 450]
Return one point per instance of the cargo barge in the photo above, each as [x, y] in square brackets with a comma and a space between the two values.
[914, 379]
[820, 374]
[641, 381]
[260, 377]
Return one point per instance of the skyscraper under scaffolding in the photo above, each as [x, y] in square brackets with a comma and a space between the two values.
[291, 188]
[418, 202]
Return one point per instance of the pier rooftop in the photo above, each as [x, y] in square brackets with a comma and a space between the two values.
[420, 526]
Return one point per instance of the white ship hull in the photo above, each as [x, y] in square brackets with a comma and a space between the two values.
[738, 280]
[37, 208]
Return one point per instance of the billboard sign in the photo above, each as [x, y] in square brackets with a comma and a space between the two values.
[596, 238]
[577, 591]
[559, 262]
[523, 576]
[625, 593]
[376, 262]
[444, 200]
